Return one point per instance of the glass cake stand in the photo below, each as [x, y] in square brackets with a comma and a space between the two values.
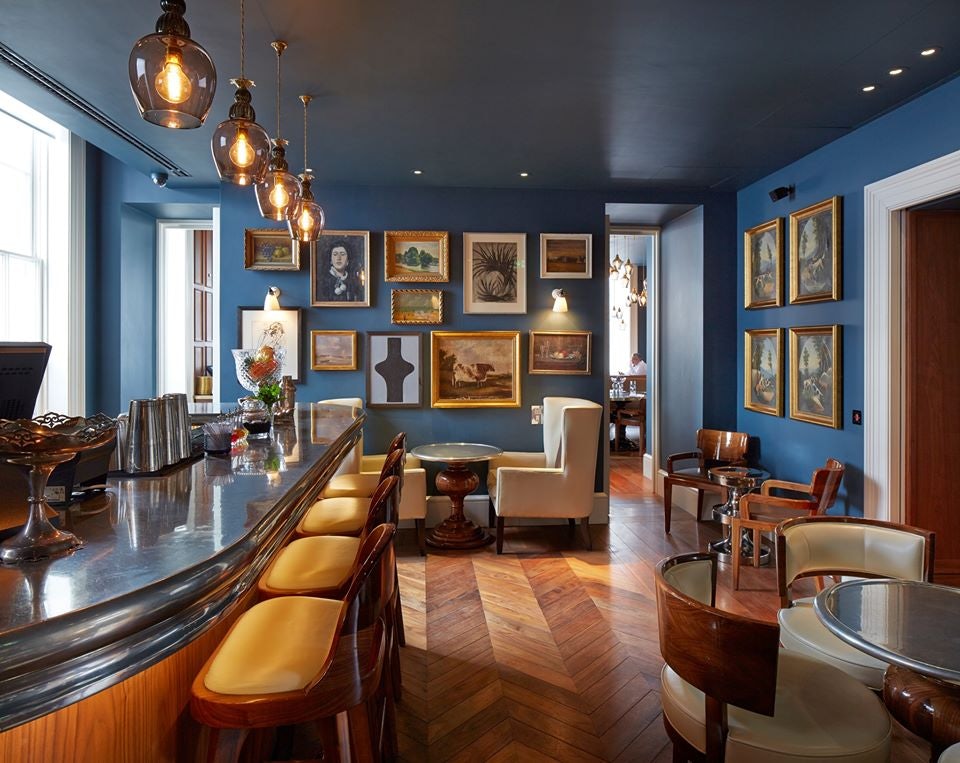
[35, 447]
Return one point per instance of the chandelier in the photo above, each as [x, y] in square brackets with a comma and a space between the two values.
[623, 270]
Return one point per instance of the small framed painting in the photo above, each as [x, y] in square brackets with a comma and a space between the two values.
[340, 269]
[416, 306]
[333, 350]
[416, 255]
[815, 365]
[815, 253]
[494, 273]
[763, 265]
[566, 255]
[280, 329]
[475, 369]
[270, 249]
[394, 369]
[560, 352]
[763, 371]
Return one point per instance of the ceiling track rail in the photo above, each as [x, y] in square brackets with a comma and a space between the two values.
[16, 61]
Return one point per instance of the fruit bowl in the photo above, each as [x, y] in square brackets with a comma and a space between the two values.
[261, 366]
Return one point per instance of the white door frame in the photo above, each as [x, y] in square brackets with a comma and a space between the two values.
[883, 204]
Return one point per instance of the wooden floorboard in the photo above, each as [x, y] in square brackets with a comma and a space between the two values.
[550, 652]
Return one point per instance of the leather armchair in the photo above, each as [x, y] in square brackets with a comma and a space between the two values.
[557, 483]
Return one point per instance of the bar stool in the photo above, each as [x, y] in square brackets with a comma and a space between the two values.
[324, 659]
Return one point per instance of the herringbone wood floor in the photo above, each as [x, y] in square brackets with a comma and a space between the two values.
[550, 652]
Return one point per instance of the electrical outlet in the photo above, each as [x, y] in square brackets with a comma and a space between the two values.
[857, 418]
[536, 414]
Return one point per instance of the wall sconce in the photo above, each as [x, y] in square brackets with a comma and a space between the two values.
[559, 301]
[272, 300]
[781, 192]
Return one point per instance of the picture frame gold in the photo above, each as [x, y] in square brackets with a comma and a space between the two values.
[475, 369]
[815, 375]
[348, 287]
[566, 255]
[416, 306]
[333, 350]
[416, 256]
[815, 252]
[270, 249]
[763, 265]
[561, 353]
[763, 371]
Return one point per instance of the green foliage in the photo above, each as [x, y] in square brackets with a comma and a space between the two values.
[269, 393]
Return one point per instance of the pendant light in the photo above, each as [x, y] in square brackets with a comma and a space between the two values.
[307, 221]
[278, 194]
[241, 147]
[172, 78]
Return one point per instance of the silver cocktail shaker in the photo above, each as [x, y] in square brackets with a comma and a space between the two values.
[145, 452]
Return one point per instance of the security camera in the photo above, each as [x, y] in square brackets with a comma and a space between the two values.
[781, 192]
[159, 178]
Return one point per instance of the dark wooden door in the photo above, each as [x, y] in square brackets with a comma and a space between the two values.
[202, 307]
[932, 382]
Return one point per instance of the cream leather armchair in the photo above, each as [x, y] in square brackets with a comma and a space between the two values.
[557, 483]
[826, 545]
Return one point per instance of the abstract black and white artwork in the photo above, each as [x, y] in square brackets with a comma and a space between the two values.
[394, 369]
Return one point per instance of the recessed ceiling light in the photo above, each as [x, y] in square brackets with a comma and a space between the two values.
[929, 51]
[895, 72]
[418, 172]
[868, 88]
[524, 174]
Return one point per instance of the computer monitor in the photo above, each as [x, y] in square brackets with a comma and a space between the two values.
[22, 365]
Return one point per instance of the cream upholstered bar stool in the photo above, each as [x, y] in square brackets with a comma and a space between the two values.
[825, 546]
[413, 499]
[730, 694]
[555, 484]
[300, 659]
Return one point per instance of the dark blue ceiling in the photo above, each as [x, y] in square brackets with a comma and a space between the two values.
[614, 94]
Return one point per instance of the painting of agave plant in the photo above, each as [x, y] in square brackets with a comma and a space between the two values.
[495, 274]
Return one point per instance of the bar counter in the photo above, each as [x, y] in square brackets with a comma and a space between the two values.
[164, 560]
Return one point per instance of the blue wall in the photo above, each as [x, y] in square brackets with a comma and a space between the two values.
[917, 132]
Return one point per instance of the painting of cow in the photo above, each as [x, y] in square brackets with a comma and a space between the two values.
[475, 369]
[472, 373]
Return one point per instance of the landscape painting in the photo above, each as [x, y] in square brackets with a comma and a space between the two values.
[560, 352]
[476, 369]
[815, 375]
[495, 273]
[416, 255]
[333, 350]
[815, 252]
[763, 264]
[565, 255]
[763, 385]
[416, 306]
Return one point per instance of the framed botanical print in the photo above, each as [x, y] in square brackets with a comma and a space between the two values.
[416, 306]
[475, 369]
[763, 371]
[494, 273]
[340, 269]
[416, 255]
[565, 255]
[394, 369]
[560, 352]
[333, 350]
[763, 265]
[815, 379]
[815, 252]
[270, 249]
[279, 328]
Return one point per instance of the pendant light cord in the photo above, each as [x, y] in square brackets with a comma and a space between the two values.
[306, 100]
[242, 38]
[279, 52]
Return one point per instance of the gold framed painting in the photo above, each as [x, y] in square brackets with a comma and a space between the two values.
[475, 369]
[815, 252]
[340, 269]
[763, 265]
[560, 352]
[815, 379]
[416, 255]
[566, 255]
[763, 371]
[416, 306]
[333, 350]
[270, 249]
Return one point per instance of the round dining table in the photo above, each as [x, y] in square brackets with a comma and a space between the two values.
[915, 627]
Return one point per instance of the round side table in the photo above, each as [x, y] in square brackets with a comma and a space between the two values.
[738, 480]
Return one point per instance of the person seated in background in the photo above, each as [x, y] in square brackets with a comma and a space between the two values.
[638, 366]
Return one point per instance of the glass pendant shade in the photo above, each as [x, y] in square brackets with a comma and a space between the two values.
[278, 194]
[306, 223]
[241, 147]
[172, 78]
